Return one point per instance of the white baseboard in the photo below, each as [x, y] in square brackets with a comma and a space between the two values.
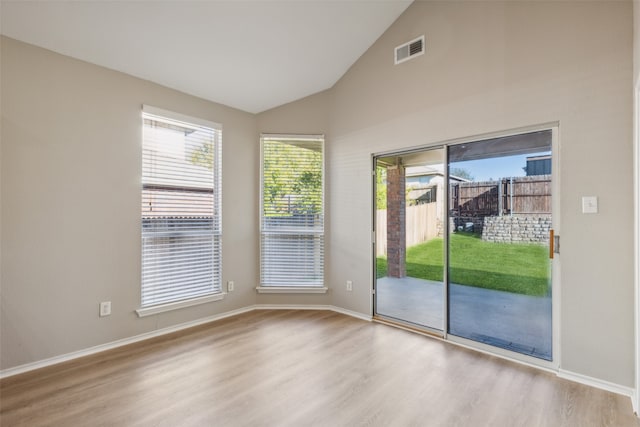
[583, 379]
[291, 307]
[158, 332]
[594, 382]
[118, 343]
[340, 310]
[351, 313]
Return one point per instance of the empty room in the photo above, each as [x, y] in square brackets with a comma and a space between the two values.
[320, 213]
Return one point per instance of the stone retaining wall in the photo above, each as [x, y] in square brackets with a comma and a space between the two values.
[516, 229]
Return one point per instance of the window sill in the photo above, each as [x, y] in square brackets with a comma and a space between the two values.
[291, 290]
[149, 311]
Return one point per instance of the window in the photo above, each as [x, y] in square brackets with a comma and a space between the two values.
[181, 221]
[292, 214]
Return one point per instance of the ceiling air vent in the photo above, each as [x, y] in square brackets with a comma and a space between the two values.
[409, 50]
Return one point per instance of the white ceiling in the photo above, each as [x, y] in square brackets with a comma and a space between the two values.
[251, 55]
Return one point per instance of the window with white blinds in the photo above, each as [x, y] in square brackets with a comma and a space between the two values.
[292, 212]
[181, 221]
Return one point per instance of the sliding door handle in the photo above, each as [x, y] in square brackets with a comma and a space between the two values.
[554, 244]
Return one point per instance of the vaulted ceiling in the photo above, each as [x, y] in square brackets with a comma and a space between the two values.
[250, 55]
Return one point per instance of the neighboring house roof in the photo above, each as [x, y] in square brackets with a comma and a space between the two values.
[435, 171]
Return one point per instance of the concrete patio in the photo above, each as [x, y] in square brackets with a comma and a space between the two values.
[515, 322]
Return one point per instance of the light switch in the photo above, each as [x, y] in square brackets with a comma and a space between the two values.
[589, 204]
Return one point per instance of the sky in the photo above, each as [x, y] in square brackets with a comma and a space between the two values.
[495, 167]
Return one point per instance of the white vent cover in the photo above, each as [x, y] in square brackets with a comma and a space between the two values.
[409, 50]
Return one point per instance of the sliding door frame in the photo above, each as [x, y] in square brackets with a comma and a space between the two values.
[554, 127]
[381, 317]
[636, 180]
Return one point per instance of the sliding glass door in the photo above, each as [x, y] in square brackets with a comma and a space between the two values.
[499, 263]
[462, 241]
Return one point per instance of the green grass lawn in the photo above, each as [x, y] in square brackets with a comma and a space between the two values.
[517, 268]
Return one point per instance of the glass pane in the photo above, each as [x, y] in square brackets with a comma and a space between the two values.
[180, 211]
[410, 190]
[292, 259]
[499, 266]
[292, 220]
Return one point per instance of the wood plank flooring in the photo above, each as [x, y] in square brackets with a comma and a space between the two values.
[301, 368]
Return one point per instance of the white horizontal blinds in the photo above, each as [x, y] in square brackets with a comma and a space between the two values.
[292, 217]
[181, 221]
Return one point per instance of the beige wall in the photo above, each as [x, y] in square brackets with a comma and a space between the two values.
[71, 165]
[493, 66]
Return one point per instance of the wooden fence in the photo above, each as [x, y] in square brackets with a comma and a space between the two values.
[421, 225]
[525, 195]
[528, 195]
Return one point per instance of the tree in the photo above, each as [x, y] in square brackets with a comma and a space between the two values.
[292, 179]
[381, 187]
[203, 156]
[461, 173]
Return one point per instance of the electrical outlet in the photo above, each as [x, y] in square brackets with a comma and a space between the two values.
[230, 286]
[349, 285]
[105, 308]
[589, 204]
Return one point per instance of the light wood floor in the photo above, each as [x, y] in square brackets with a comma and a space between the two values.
[301, 368]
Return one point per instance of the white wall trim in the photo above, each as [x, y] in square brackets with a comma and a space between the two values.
[180, 117]
[292, 289]
[595, 382]
[583, 379]
[118, 343]
[334, 308]
[351, 313]
[340, 310]
[291, 307]
[168, 330]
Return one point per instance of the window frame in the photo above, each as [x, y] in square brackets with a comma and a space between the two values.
[292, 288]
[217, 292]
